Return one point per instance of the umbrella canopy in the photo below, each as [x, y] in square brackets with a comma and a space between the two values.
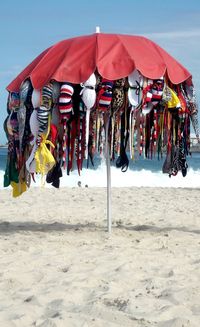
[114, 56]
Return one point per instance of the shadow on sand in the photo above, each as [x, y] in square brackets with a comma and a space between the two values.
[154, 229]
[7, 227]
[17, 227]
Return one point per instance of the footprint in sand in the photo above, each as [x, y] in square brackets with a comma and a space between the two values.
[53, 308]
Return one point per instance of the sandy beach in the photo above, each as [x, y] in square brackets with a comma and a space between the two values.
[59, 266]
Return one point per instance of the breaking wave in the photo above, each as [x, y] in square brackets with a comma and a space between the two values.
[142, 173]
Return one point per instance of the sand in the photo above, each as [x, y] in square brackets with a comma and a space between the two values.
[59, 266]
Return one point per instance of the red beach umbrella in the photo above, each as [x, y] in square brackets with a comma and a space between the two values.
[113, 55]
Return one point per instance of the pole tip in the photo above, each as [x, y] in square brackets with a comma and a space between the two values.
[97, 29]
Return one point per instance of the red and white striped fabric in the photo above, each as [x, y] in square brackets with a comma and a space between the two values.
[154, 90]
[152, 94]
[105, 95]
[157, 89]
[65, 100]
[148, 95]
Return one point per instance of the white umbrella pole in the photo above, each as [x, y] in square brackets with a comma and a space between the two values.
[109, 220]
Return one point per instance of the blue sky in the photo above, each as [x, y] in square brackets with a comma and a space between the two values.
[28, 27]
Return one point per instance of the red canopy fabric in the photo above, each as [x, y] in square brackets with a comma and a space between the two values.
[113, 55]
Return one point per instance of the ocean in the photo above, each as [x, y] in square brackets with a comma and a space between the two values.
[141, 173]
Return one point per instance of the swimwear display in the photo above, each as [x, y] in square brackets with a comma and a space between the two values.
[55, 124]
